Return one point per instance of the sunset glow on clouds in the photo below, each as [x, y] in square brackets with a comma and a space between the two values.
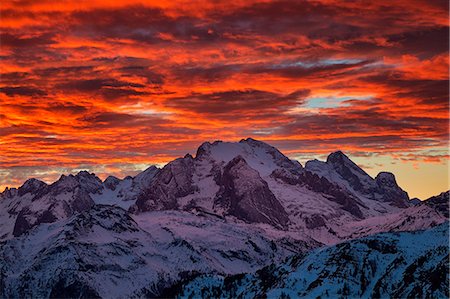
[113, 88]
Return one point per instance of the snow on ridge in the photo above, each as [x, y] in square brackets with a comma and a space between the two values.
[400, 265]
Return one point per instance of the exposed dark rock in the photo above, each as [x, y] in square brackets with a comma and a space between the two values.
[31, 186]
[244, 194]
[75, 289]
[315, 221]
[22, 224]
[440, 203]
[387, 186]
[171, 182]
[8, 193]
[82, 201]
[342, 171]
[26, 220]
[348, 170]
[111, 182]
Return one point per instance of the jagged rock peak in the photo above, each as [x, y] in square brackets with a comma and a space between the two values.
[391, 191]
[31, 185]
[150, 171]
[188, 156]
[338, 157]
[32, 182]
[342, 163]
[386, 179]
[111, 182]
[78, 176]
[204, 149]
[88, 181]
[254, 142]
[84, 173]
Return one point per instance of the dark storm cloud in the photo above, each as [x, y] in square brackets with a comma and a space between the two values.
[429, 91]
[151, 77]
[307, 69]
[238, 103]
[96, 84]
[15, 41]
[22, 91]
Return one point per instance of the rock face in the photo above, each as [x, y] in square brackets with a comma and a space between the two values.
[384, 265]
[172, 182]
[440, 203]
[387, 185]
[237, 179]
[357, 178]
[31, 186]
[111, 183]
[244, 194]
[68, 195]
[35, 202]
[339, 169]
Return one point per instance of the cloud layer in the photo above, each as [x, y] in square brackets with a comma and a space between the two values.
[95, 83]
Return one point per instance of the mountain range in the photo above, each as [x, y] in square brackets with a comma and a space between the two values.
[235, 220]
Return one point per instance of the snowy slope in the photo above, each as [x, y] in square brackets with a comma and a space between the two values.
[105, 252]
[418, 217]
[389, 265]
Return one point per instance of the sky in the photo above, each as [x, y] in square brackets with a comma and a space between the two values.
[114, 87]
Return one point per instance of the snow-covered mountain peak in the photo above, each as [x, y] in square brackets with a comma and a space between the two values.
[31, 186]
[339, 169]
[338, 156]
[255, 143]
[261, 156]
[344, 165]
[85, 180]
[342, 171]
